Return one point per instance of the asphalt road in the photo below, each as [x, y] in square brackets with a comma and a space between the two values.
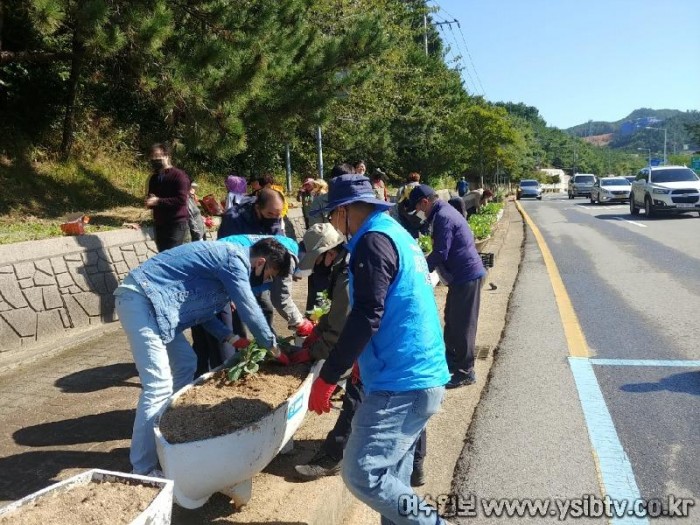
[622, 422]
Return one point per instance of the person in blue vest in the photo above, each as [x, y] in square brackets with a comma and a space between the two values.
[462, 187]
[171, 292]
[393, 332]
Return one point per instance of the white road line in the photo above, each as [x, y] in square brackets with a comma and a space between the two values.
[613, 462]
[631, 222]
[646, 362]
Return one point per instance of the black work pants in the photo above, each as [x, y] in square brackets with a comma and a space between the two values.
[461, 319]
[265, 302]
[207, 348]
[170, 235]
[335, 441]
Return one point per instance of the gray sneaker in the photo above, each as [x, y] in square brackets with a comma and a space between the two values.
[461, 378]
[319, 466]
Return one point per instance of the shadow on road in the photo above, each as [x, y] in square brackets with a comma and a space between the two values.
[219, 510]
[642, 218]
[682, 383]
[98, 378]
[24, 473]
[283, 464]
[95, 428]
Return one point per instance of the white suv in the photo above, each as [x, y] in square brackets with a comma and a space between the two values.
[665, 189]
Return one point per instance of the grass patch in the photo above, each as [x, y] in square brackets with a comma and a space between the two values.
[38, 194]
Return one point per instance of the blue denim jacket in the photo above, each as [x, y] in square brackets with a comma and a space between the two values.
[190, 284]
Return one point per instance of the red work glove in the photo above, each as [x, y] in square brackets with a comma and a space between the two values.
[305, 328]
[310, 340]
[237, 342]
[283, 359]
[320, 398]
[302, 356]
[241, 343]
[355, 374]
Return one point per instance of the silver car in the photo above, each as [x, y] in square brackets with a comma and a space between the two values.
[611, 189]
[529, 188]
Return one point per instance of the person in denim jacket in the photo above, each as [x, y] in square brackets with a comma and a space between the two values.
[177, 289]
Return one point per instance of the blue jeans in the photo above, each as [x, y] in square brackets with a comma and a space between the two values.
[378, 457]
[162, 369]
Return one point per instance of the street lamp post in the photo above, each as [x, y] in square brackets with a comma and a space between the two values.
[647, 149]
[664, 130]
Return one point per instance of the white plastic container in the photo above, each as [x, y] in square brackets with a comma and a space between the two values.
[228, 463]
[157, 513]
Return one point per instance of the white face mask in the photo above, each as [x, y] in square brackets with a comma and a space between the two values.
[421, 215]
[345, 237]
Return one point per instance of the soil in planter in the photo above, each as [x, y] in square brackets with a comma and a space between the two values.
[218, 406]
[96, 503]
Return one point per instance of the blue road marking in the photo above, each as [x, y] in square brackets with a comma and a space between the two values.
[646, 362]
[615, 467]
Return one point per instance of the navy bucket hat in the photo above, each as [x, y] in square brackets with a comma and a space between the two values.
[346, 189]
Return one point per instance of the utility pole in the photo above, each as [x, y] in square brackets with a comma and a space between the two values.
[319, 147]
[288, 163]
[425, 33]
[447, 23]
[664, 130]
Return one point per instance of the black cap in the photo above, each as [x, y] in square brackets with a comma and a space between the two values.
[419, 192]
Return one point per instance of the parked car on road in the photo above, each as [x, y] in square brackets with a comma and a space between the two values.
[580, 185]
[610, 189]
[631, 178]
[665, 189]
[529, 188]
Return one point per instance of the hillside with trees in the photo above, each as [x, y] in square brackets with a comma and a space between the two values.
[632, 133]
[86, 87]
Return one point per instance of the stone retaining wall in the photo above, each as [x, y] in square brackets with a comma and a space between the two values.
[54, 287]
[51, 287]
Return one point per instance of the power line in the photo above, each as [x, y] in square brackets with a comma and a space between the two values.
[470, 58]
[466, 66]
[466, 47]
[459, 57]
[456, 49]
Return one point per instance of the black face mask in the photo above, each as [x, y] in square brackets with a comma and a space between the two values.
[257, 280]
[157, 164]
[268, 223]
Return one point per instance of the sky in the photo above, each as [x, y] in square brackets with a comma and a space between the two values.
[577, 60]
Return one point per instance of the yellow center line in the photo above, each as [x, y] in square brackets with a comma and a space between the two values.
[572, 329]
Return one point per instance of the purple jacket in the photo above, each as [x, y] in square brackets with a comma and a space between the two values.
[454, 253]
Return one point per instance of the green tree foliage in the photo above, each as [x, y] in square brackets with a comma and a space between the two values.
[201, 72]
[231, 83]
[693, 131]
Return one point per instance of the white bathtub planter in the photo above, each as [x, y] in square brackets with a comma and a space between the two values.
[228, 463]
[158, 511]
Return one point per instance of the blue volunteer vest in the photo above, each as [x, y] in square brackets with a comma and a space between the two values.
[408, 351]
[246, 241]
